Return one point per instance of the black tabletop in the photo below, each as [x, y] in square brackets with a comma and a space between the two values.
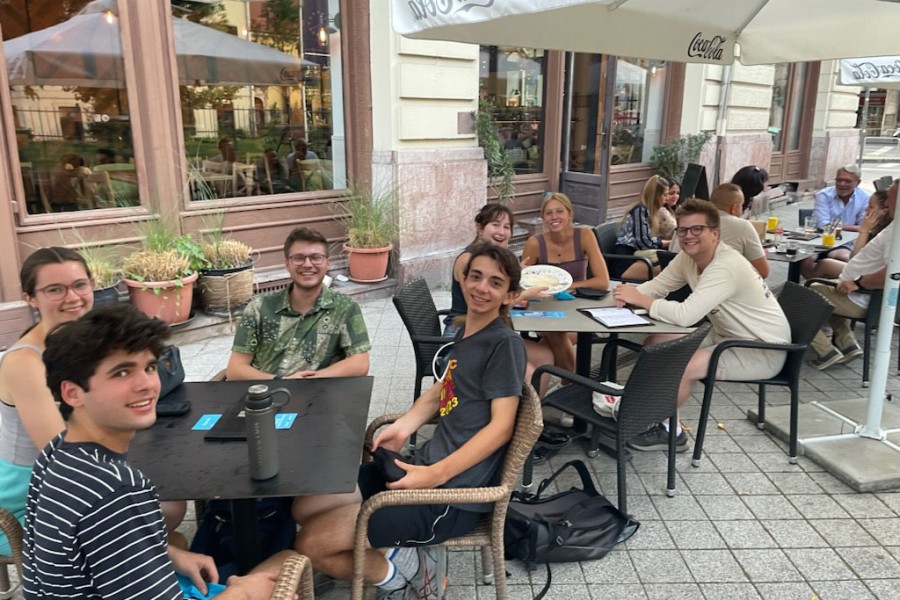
[319, 454]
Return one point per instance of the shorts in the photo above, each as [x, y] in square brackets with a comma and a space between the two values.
[412, 525]
[745, 364]
[14, 480]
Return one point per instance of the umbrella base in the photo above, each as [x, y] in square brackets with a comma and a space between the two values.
[827, 438]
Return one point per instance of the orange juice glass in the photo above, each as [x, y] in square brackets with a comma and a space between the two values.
[772, 223]
[828, 239]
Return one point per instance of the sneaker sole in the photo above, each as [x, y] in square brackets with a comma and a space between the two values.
[678, 448]
[821, 366]
[852, 355]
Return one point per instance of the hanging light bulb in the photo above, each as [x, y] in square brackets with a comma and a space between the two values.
[109, 16]
[322, 35]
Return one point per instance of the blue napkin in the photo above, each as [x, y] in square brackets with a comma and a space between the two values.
[190, 590]
[564, 295]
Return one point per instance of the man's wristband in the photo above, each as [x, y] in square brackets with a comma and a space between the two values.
[277, 376]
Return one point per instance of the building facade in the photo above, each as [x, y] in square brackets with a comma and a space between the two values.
[118, 118]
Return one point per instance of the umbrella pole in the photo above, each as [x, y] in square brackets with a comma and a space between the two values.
[872, 427]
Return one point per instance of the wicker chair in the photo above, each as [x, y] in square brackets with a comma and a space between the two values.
[489, 532]
[650, 396]
[295, 578]
[13, 531]
[422, 320]
[806, 312]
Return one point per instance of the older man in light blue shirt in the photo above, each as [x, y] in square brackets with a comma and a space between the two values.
[844, 200]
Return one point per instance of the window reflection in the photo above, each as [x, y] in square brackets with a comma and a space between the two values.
[70, 105]
[637, 109]
[513, 80]
[257, 96]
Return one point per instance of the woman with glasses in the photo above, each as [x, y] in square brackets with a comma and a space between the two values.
[640, 232]
[56, 282]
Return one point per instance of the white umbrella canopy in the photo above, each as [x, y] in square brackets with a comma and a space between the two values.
[706, 31]
[86, 50]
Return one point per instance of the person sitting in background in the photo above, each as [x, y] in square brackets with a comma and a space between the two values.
[724, 289]
[735, 231]
[493, 225]
[866, 270]
[93, 526]
[667, 222]
[272, 174]
[569, 248]
[845, 202]
[104, 156]
[877, 217]
[226, 153]
[65, 182]
[640, 234]
[752, 181]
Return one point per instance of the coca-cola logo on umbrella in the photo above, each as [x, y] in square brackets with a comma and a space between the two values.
[423, 9]
[706, 48]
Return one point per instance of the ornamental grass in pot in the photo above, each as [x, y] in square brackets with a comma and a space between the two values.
[372, 226]
[161, 276]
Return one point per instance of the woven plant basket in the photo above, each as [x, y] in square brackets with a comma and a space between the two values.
[226, 291]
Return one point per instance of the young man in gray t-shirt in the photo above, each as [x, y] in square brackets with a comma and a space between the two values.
[476, 401]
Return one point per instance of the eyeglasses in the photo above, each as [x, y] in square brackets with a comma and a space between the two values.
[317, 260]
[694, 229]
[58, 291]
[844, 180]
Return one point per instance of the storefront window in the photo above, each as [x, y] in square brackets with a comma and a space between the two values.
[70, 105]
[637, 109]
[513, 80]
[260, 101]
[785, 114]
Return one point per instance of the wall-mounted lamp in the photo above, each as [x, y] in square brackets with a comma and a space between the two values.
[325, 31]
[109, 16]
[656, 65]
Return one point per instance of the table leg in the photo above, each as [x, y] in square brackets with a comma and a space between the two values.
[246, 539]
[794, 271]
[583, 354]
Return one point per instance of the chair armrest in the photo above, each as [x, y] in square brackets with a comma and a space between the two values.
[13, 530]
[431, 496]
[587, 382]
[376, 424]
[444, 311]
[750, 344]
[633, 259]
[296, 571]
[833, 283]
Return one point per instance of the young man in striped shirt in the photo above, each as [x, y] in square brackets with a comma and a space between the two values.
[93, 526]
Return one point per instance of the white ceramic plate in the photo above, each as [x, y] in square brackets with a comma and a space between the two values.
[548, 276]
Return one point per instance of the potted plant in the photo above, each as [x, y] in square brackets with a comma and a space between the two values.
[371, 228]
[160, 277]
[226, 283]
[107, 275]
[669, 160]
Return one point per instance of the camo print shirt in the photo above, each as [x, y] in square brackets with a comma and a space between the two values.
[282, 341]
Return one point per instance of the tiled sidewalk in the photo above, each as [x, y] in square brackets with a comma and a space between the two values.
[746, 524]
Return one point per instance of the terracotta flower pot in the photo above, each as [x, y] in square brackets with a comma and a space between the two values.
[368, 265]
[163, 299]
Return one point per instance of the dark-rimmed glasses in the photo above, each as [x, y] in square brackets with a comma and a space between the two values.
[58, 291]
[298, 260]
[694, 229]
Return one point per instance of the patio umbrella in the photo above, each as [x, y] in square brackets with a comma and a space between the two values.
[767, 31]
[877, 72]
[86, 50]
[702, 31]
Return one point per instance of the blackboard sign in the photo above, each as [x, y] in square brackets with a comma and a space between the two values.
[694, 183]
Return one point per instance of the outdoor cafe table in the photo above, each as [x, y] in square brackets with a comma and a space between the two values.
[805, 250]
[584, 326]
[319, 454]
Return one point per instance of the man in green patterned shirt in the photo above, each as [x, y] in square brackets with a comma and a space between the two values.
[306, 330]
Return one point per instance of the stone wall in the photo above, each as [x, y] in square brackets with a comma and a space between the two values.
[830, 151]
[439, 192]
[741, 150]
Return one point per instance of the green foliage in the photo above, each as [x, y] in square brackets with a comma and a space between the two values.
[371, 215]
[167, 255]
[669, 160]
[500, 168]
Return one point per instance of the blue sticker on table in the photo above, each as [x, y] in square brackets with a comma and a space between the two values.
[285, 420]
[206, 422]
[538, 314]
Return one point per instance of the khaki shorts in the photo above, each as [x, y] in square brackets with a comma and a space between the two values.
[745, 364]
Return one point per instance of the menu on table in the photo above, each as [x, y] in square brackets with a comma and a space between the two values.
[615, 317]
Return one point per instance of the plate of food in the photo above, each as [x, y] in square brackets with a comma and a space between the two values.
[548, 276]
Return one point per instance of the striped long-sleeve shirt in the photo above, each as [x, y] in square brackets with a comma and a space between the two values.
[93, 528]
